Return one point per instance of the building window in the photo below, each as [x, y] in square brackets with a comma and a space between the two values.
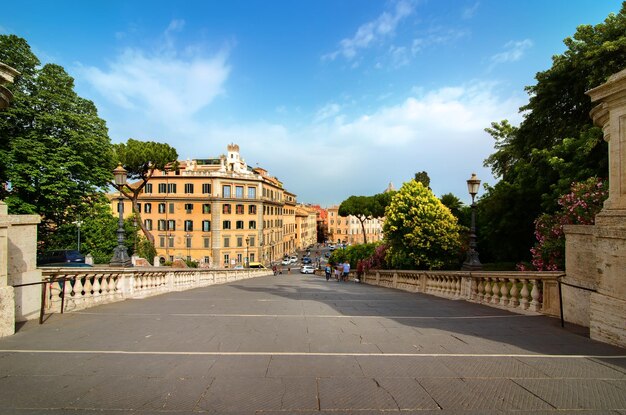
[239, 191]
[188, 207]
[226, 260]
[206, 260]
[251, 241]
[239, 258]
[188, 187]
[206, 188]
[226, 191]
[239, 224]
[147, 207]
[162, 188]
[206, 208]
[251, 257]
[226, 224]
[207, 242]
[139, 207]
[226, 208]
[188, 242]
[252, 224]
[171, 188]
[239, 242]
[161, 225]
[206, 226]
[171, 225]
[148, 188]
[252, 209]
[189, 225]
[148, 224]
[226, 242]
[162, 242]
[171, 241]
[171, 208]
[161, 207]
[251, 192]
[239, 209]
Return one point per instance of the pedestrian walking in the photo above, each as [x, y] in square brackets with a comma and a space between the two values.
[346, 270]
[337, 273]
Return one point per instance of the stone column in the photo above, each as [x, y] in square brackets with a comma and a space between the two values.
[595, 256]
[7, 295]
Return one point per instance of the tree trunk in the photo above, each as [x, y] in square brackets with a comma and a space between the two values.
[363, 227]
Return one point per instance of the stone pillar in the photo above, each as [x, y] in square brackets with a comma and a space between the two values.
[595, 256]
[7, 295]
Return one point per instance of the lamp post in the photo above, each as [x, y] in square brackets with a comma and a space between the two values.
[188, 245]
[472, 263]
[78, 223]
[247, 262]
[120, 254]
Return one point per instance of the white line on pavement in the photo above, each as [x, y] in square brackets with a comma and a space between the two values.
[307, 316]
[306, 354]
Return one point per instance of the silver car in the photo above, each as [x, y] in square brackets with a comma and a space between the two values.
[307, 269]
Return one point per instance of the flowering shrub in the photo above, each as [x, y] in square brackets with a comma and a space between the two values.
[579, 207]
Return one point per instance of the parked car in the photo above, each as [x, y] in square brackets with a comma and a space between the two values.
[306, 260]
[307, 269]
[257, 265]
[331, 247]
[286, 261]
[238, 266]
[61, 256]
[294, 259]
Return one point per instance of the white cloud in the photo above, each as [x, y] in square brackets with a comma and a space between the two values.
[162, 84]
[514, 51]
[437, 37]
[335, 156]
[382, 27]
[470, 11]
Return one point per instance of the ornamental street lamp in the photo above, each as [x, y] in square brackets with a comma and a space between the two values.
[120, 254]
[78, 224]
[472, 263]
[247, 262]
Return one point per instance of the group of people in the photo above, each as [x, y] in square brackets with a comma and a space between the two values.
[341, 271]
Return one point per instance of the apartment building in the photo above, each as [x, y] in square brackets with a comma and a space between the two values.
[347, 229]
[219, 212]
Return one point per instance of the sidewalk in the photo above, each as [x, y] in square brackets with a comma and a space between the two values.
[303, 345]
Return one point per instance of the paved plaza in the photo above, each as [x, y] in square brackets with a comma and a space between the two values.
[297, 344]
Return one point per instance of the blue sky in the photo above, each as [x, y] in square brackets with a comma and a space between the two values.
[335, 98]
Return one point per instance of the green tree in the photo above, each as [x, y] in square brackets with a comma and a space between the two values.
[420, 230]
[453, 203]
[556, 143]
[365, 208]
[55, 151]
[423, 178]
[141, 159]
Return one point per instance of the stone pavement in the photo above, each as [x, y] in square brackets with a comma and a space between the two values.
[301, 345]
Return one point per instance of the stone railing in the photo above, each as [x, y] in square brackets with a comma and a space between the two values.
[516, 291]
[72, 289]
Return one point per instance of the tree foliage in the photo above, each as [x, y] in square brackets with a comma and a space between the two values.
[556, 143]
[365, 208]
[141, 159]
[55, 151]
[420, 230]
[423, 178]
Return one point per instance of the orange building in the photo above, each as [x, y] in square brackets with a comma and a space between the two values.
[218, 212]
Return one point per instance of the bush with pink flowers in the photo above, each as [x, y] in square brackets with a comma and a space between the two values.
[579, 207]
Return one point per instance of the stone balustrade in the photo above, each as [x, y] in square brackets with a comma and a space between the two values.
[535, 292]
[72, 289]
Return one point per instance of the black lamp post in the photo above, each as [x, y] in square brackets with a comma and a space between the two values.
[472, 263]
[247, 259]
[120, 255]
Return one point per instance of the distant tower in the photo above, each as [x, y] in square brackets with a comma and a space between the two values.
[390, 188]
[234, 162]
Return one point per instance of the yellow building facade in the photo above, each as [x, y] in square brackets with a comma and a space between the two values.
[219, 212]
[347, 229]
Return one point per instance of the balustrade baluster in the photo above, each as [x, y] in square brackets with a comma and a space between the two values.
[87, 287]
[495, 291]
[481, 290]
[504, 292]
[96, 288]
[487, 297]
[524, 300]
[457, 286]
[535, 305]
[514, 301]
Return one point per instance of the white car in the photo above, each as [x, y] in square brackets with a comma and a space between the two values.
[286, 261]
[294, 259]
[307, 269]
